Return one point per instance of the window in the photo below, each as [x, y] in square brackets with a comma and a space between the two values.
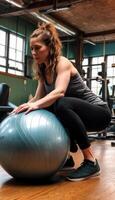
[111, 72]
[85, 61]
[84, 67]
[96, 67]
[16, 55]
[12, 53]
[2, 50]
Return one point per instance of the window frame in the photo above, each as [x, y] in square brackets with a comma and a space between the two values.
[7, 45]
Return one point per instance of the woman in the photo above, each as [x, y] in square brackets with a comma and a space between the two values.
[62, 91]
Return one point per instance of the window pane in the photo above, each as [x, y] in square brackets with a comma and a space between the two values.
[19, 66]
[19, 73]
[16, 65]
[94, 73]
[3, 61]
[12, 42]
[2, 37]
[110, 72]
[2, 69]
[100, 60]
[110, 69]
[2, 50]
[19, 56]
[12, 63]
[96, 86]
[19, 43]
[16, 57]
[85, 61]
[95, 70]
[94, 60]
[12, 54]
[111, 81]
[97, 60]
[11, 71]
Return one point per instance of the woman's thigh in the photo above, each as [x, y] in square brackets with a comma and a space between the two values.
[94, 117]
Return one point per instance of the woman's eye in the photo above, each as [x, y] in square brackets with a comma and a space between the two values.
[35, 48]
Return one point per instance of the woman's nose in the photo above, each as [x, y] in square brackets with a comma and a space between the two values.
[34, 52]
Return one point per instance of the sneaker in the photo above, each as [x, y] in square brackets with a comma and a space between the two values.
[69, 164]
[86, 170]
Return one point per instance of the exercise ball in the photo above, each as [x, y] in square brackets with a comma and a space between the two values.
[33, 145]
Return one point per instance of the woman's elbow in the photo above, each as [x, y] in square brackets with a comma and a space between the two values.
[59, 93]
[62, 93]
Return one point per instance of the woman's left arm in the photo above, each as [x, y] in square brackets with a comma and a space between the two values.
[63, 71]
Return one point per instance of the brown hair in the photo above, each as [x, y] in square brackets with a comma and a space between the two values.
[48, 34]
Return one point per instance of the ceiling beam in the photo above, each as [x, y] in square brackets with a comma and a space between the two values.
[37, 5]
[101, 33]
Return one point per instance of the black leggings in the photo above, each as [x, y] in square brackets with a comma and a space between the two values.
[79, 116]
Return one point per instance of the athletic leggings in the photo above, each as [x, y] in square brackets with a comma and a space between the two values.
[79, 116]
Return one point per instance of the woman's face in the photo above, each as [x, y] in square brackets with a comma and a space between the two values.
[39, 50]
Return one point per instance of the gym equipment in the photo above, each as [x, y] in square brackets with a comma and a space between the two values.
[104, 94]
[5, 106]
[33, 145]
[4, 94]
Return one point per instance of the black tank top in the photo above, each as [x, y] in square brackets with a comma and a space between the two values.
[77, 88]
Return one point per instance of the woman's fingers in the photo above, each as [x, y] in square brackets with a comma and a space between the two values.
[21, 109]
[26, 106]
[13, 111]
[28, 110]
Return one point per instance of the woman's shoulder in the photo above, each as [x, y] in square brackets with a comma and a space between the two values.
[63, 61]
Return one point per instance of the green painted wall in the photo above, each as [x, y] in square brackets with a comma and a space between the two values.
[69, 50]
[20, 88]
[99, 49]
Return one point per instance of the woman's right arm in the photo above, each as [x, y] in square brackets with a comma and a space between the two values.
[40, 92]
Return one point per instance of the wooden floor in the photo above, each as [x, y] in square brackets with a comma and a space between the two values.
[99, 188]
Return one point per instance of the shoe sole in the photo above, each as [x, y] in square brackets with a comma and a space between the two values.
[81, 179]
[67, 169]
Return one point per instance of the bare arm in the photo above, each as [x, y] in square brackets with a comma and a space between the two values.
[61, 84]
[40, 92]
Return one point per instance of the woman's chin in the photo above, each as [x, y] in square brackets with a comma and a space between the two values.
[38, 62]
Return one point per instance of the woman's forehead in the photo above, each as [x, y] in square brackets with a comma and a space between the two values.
[36, 40]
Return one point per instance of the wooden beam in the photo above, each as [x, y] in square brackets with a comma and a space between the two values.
[101, 33]
[20, 11]
[36, 5]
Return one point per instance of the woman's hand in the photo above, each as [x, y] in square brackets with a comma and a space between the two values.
[32, 106]
[28, 107]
